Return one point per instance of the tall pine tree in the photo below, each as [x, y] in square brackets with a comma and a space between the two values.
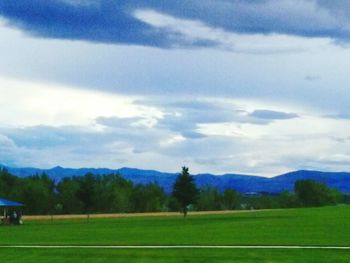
[185, 190]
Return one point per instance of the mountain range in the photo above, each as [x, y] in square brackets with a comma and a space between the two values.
[239, 182]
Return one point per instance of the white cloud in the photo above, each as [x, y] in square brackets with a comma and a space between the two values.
[209, 135]
[33, 103]
[270, 149]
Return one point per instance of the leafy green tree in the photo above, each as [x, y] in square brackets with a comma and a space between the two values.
[209, 199]
[185, 190]
[148, 198]
[67, 196]
[119, 191]
[266, 201]
[173, 205]
[8, 184]
[87, 192]
[287, 200]
[37, 194]
[313, 193]
[230, 199]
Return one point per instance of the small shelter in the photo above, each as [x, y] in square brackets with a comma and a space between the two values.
[6, 205]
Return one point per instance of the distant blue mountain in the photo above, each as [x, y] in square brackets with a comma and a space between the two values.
[241, 183]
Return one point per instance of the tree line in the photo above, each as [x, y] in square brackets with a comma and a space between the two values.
[114, 194]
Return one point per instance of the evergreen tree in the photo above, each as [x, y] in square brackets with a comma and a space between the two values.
[185, 190]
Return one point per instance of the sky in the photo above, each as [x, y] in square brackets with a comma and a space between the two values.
[221, 86]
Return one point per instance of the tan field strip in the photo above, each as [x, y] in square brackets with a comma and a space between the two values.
[119, 215]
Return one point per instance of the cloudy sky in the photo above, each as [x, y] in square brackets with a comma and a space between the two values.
[245, 86]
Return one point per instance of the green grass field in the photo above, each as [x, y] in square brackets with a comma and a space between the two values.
[328, 226]
[186, 255]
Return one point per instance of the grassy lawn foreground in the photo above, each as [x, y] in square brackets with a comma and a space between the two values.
[168, 255]
[316, 226]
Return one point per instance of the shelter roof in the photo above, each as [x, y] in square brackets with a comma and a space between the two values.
[9, 203]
